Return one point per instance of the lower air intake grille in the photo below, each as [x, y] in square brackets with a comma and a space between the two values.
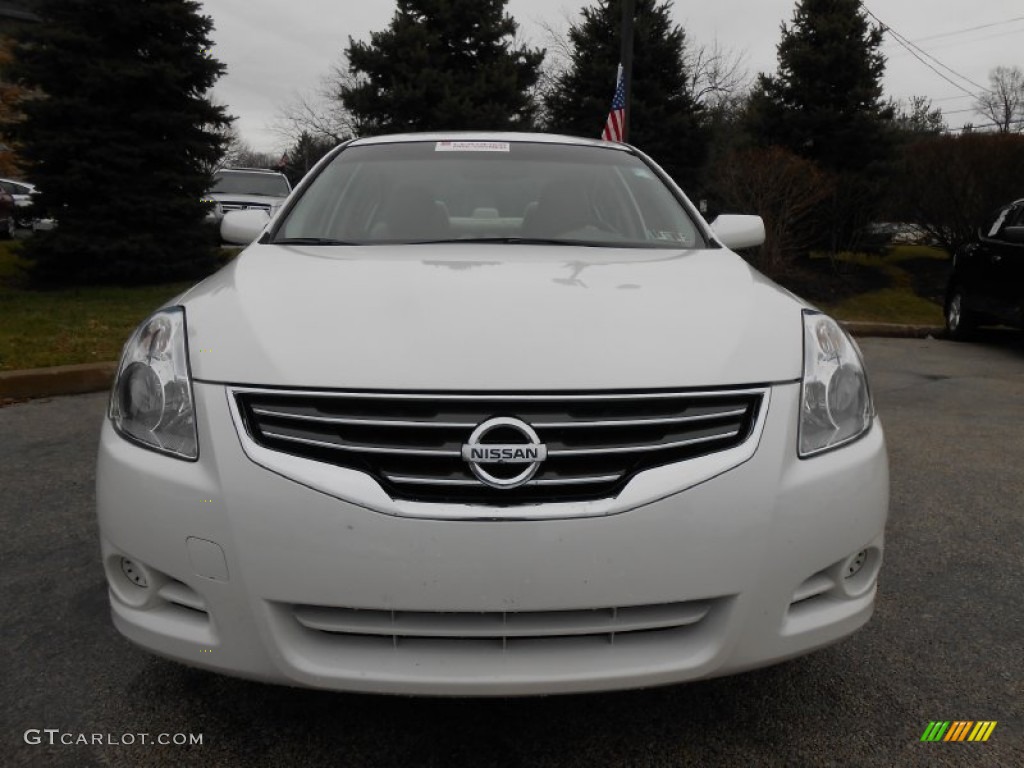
[606, 624]
[412, 444]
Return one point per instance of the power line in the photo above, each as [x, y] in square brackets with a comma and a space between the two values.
[975, 126]
[915, 51]
[949, 43]
[947, 112]
[969, 29]
[910, 46]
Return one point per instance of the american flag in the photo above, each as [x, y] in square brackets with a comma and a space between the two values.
[615, 124]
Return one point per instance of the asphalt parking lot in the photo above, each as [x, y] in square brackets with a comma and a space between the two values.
[946, 642]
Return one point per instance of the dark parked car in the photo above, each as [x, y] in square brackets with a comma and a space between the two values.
[987, 283]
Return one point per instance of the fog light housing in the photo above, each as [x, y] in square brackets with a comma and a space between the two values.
[858, 573]
[134, 573]
[854, 564]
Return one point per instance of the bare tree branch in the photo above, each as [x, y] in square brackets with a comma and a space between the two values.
[715, 74]
[320, 112]
[557, 43]
[1003, 102]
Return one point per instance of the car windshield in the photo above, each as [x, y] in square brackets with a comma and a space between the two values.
[489, 191]
[14, 188]
[240, 183]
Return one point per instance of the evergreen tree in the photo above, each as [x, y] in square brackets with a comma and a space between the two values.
[665, 121]
[916, 118]
[12, 96]
[825, 101]
[442, 64]
[121, 139]
[303, 154]
[825, 104]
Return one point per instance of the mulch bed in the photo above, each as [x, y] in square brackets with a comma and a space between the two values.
[824, 281]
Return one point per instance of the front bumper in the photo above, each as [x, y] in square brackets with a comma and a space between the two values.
[253, 574]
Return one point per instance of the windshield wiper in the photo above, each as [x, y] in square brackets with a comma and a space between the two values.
[310, 241]
[516, 241]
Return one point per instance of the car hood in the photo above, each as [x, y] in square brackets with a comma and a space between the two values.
[491, 317]
[231, 197]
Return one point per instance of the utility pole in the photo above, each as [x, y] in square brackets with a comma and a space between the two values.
[626, 58]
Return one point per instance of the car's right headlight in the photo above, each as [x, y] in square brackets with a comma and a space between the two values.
[151, 402]
[835, 403]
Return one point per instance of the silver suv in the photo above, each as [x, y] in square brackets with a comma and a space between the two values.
[239, 189]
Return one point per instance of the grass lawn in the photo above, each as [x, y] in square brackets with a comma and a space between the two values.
[74, 325]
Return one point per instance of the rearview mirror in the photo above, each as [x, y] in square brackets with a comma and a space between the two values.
[242, 227]
[736, 231]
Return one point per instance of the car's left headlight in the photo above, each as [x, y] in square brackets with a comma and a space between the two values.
[835, 402]
[152, 402]
[214, 209]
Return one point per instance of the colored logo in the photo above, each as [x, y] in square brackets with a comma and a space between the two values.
[958, 730]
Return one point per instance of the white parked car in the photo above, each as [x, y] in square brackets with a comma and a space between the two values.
[22, 193]
[246, 189]
[490, 414]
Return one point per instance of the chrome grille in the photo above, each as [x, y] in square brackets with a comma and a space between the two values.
[607, 625]
[412, 443]
[245, 207]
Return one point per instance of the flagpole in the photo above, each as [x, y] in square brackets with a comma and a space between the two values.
[626, 59]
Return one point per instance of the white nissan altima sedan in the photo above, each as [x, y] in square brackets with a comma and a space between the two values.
[490, 414]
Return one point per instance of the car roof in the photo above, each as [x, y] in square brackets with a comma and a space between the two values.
[19, 181]
[504, 136]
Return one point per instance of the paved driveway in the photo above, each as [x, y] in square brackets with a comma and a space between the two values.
[947, 641]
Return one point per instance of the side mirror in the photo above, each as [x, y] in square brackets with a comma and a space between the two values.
[736, 231]
[1014, 234]
[242, 227]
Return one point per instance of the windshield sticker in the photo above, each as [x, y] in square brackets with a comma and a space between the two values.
[674, 237]
[643, 173]
[472, 146]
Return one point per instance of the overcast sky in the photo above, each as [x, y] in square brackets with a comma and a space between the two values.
[274, 50]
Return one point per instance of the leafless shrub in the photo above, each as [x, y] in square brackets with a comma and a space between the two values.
[787, 191]
[949, 184]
